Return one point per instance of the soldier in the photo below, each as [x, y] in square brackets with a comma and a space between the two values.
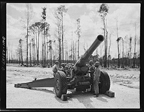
[91, 66]
[63, 66]
[91, 71]
[96, 79]
[55, 68]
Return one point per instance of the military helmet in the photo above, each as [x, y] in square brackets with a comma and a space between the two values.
[56, 62]
[91, 62]
[63, 64]
[97, 63]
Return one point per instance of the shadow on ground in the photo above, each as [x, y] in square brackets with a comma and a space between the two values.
[82, 97]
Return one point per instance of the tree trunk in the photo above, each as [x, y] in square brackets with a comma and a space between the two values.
[105, 63]
[30, 54]
[130, 53]
[27, 31]
[59, 52]
[105, 35]
[123, 55]
[118, 46]
[73, 50]
[134, 57]
[118, 56]
[62, 40]
[33, 53]
[38, 49]
[44, 55]
[21, 55]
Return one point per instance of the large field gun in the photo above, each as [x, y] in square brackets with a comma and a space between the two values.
[79, 76]
[76, 77]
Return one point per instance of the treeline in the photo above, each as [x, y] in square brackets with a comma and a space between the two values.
[113, 63]
[123, 63]
[49, 63]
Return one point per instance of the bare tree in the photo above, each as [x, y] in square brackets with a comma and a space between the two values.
[29, 15]
[58, 35]
[118, 39]
[38, 27]
[103, 10]
[45, 28]
[118, 44]
[33, 50]
[134, 56]
[34, 30]
[109, 44]
[30, 53]
[109, 53]
[130, 47]
[78, 31]
[47, 41]
[20, 52]
[43, 40]
[122, 52]
[60, 12]
[50, 49]
[27, 31]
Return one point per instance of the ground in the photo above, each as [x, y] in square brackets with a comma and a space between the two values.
[125, 84]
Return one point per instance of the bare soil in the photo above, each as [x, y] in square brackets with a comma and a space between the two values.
[125, 84]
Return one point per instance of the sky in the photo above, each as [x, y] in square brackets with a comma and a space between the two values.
[125, 15]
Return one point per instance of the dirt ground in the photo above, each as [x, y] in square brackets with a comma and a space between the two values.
[125, 84]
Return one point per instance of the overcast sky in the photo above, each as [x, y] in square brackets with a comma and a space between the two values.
[126, 14]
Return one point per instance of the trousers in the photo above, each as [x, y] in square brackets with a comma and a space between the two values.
[96, 81]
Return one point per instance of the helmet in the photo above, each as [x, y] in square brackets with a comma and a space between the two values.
[91, 62]
[56, 62]
[63, 64]
[96, 64]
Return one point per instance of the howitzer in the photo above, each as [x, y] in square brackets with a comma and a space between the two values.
[76, 77]
[80, 78]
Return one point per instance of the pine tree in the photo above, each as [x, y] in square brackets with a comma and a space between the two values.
[103, 10]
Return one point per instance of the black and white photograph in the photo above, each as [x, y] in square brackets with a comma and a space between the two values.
[73, 55]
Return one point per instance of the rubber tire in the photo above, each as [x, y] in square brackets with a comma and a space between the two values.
[104, 84]
[61, 77]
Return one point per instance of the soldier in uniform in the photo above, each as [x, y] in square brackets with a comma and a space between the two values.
[55, 68]
[96, 79]
[91, 70]
[63, 66]
[91, 66]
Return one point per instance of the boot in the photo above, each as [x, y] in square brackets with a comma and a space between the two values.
[96, 95]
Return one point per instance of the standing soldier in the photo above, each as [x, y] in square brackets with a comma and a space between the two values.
[96, 79]
[55, 68]
[91, 71]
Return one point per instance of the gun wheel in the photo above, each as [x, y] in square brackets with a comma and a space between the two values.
[60, 84]
[104, 84]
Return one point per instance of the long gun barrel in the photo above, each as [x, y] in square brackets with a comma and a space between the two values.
[83, 59]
